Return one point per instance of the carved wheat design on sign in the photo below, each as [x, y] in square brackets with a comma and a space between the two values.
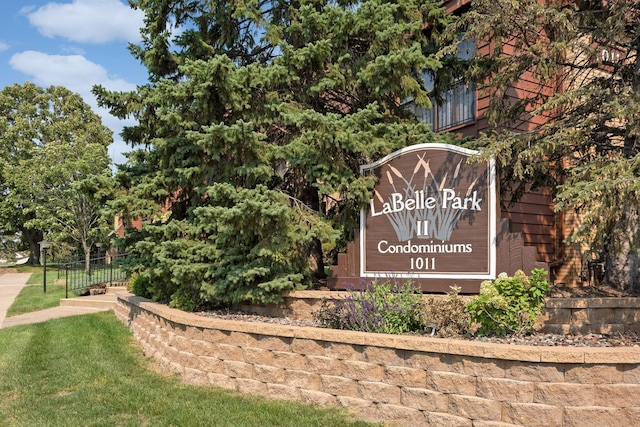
[440, 221]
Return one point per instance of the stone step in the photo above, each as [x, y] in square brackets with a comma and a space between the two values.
[105, 301]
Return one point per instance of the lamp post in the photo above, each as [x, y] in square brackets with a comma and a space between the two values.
[98, 245]
[44, 245]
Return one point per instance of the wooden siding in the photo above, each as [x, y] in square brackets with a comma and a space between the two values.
[569, 272]
[454, 6]
[534, 217]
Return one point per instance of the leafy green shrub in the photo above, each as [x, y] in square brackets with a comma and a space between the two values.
[509, 304]
[384, 307]
[139, 286]
[447, 315]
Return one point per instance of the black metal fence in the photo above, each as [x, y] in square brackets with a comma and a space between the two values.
[107, 270]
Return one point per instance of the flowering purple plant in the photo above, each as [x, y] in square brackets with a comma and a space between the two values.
[387, 307]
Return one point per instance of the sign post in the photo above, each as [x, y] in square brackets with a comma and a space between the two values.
[44, 246]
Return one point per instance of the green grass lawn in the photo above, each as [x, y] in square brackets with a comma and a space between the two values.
[32, 298]
[37, 273]
[88, 371]
[37, 276]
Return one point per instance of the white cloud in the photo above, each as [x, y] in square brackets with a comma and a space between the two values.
[73, 50]
[88, 21]
[27, 9]
[79, 75]
[74, 72]
[3, 46]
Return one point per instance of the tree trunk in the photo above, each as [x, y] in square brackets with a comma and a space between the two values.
[33, 237]
[316, 258]
[622, 257]
[87, 258]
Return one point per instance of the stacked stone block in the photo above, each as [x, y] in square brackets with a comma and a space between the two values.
[406, 380]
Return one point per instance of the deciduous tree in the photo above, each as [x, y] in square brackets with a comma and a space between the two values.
[55, 173]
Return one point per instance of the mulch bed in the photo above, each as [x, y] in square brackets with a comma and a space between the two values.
[628, 339]
[601, 291]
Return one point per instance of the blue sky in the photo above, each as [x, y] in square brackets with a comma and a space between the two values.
[75, 44]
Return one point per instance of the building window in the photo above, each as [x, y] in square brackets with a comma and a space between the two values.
[457, 105]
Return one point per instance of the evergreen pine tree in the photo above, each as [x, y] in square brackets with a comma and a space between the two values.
[252, 129]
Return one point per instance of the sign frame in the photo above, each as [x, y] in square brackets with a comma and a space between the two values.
[489, 272]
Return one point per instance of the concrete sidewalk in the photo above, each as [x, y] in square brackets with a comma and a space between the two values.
[10, 286]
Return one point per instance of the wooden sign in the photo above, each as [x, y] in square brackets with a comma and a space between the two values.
[432, 215]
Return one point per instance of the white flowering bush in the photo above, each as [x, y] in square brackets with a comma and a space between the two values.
[509, 305]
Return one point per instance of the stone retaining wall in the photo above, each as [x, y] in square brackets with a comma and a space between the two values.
[597, 315]
[403, 379]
